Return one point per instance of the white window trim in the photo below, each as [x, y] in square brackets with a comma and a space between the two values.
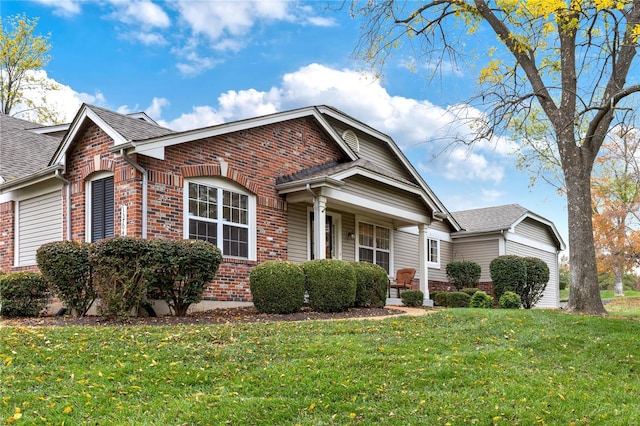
[380, 224]
[223, 184]
[436, 264]
[87, 201]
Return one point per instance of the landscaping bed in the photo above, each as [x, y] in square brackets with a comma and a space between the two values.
[214, 316]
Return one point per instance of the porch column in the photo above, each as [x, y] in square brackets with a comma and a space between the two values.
[320, 237]
[422, 255]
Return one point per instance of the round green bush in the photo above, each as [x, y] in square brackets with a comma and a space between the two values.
[463, 273]
[440, 298]
[470, 291]
[413, 298]
[331, 284]
[23, 294]
[509, 300]
[458, 299]
[65, 266]
[508, 273]
[480, 299]
[372, 283]
[277, 287]
[537, 279]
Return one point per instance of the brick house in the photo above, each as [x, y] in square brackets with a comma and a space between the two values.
[295, 185]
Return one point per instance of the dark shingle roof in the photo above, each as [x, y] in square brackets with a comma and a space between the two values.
[334, 167]
[22, 151]
[489, 218]
[129, 127]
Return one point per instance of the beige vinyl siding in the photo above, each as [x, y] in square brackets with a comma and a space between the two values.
[481, 252]
[405, 251]
[371, 190]
[40, 221]
[439, 225]
[297, 233]
[536, 231]
[348, 245]
[551, 297]
[375, 151]
[446, 256]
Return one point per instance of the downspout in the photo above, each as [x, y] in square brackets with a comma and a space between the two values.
[141, 169]
[59, 176]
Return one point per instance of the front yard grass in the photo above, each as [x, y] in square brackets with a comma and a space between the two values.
[455, 366]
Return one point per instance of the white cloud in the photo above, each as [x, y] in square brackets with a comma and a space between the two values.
[148, 39]
[200, 116]
[155, 109]
[491, 195]
[62, 7]
[63, 100]
[141, 12]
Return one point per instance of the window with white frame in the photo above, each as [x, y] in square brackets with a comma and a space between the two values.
[433, 252]
[222, 214]
[374, 244]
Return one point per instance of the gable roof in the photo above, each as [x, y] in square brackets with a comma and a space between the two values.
[22, 151]
[500, 218]
[120, 127]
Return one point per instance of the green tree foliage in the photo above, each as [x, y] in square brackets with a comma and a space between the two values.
[557, 71]
[22, 52]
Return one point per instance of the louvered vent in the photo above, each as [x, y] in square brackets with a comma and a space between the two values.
[352, 140]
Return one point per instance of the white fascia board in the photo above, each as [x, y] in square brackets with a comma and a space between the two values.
[301, 185]
[377, 177]
[366, 203]
[51, 129]
[32, 179]
[157, 153]
[83, 114]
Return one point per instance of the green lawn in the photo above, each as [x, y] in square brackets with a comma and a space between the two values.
[604, 294]
[456, 366]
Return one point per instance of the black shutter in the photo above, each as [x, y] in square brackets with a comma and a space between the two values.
[102, 206]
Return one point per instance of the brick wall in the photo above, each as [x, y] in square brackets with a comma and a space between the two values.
[7, 215]
[251, 158]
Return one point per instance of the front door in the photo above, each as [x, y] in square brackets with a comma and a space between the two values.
[332, 236]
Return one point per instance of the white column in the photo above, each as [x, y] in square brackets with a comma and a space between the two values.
[320, 237]
[422, 255]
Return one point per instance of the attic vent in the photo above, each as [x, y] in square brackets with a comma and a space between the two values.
[352, 140]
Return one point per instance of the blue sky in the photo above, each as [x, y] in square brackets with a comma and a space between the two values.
[197, 63]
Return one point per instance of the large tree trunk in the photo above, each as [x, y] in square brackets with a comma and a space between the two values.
[584, 296]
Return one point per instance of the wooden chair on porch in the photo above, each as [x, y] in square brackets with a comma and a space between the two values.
[403, 280]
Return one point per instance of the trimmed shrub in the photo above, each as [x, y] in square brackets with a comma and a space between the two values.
[331, 284]
[178, 271]
[65, 267]
[458, 299]
[509, 300]
[440, 298]
[23, 294]
[372, 283]
[470, 291]
[463, 273]
[277, 287]
[508, 273]
[412, 298]
[119, 274]
[537, 279]
[480, 299]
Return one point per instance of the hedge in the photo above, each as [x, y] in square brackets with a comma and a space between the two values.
[277, 287]
[65, 267]
[372, 283]
[412, 298]
[463, 273]
[23, 294]
[331, 284]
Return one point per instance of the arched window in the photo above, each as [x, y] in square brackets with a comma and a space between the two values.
[223, 213]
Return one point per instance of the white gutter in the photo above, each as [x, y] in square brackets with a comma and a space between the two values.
[59, 176]
[141, 169]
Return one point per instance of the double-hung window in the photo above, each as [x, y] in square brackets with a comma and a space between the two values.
[374, 244]
[223, 215]
[433, 253]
